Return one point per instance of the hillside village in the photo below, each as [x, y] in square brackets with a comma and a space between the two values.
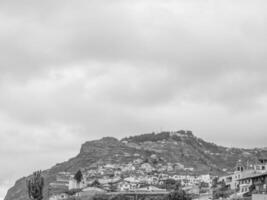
[136, 176]
[142, 176]
[153, 163]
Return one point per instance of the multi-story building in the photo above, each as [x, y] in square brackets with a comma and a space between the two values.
[256, 182]
[241, 179]
[231, 180]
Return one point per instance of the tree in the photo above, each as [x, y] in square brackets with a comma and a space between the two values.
[221, 190]
[95, 184]
[214, 182]
[203, 185]
[171, 184]
[35, 186]
[178, 194]
[78, 176]
[113, 187]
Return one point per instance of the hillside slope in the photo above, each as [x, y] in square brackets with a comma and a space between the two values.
[181, 146]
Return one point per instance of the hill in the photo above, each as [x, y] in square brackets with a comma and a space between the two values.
[168, 147]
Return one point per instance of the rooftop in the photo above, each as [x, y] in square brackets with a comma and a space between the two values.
[253, 175]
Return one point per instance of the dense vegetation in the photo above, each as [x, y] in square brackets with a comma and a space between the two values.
[154, 137]
[220, 190]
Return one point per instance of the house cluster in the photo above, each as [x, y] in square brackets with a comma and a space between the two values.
[247, 177]
[133, 176]
[137, 175]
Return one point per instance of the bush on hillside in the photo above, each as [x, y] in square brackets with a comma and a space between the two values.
[178, 194]
[148, 137]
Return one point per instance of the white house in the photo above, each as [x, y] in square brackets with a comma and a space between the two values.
[147, 167]
[127, 186]
[73, 184]
[206, 178]
[132, 180]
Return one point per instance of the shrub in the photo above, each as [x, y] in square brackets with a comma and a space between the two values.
[178, 194]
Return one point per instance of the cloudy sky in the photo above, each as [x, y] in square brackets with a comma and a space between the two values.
[73, 71]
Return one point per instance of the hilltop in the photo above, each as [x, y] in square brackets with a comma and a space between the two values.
[194, 154]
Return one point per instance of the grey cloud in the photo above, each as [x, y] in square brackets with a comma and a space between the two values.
[161, 35]
[193, 43]
[148, 55]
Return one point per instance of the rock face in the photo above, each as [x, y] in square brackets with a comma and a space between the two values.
[180, 146]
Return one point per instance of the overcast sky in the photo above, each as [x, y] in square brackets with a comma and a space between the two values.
[73, 71]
